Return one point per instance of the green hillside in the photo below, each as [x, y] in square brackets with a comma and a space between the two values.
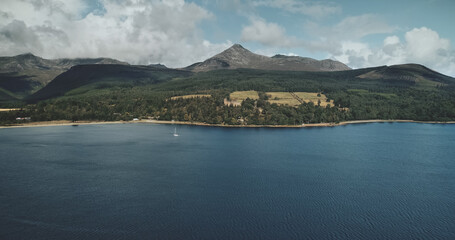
[119, 92]
[83, 78]
[24, 74]
[6, 95]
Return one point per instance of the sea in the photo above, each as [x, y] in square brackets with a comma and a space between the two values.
[139, 181]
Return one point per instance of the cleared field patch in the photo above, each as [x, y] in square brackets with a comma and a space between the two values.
[295, 98]
[282, 98]
[9, 109]
[237, 97]
[191, 96]
[242, 95]
[315, 98]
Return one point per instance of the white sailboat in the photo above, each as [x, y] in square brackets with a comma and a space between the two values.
[175, 132]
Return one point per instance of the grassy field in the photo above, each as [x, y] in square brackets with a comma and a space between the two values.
[190, 96]
[286, 98]
[9, 109]
[236, 98]
[280, 98]
[242, 95]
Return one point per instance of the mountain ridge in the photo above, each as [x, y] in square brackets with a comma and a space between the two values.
[122, 92]
[28, 62]
[23, 74]
[239, 57]
[100, 76]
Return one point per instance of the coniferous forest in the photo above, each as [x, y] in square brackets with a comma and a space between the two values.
[147, 95]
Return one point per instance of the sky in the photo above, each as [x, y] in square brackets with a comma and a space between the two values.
[178, 33]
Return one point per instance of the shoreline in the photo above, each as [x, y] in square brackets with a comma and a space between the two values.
[59, 123]
[310, 125]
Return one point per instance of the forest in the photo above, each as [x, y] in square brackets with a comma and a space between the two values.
[354, 99]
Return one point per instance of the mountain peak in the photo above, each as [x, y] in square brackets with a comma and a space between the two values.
[239, 57]
[237, 46]
[26, 55]
[236, 49]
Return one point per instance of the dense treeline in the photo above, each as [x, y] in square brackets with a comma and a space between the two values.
[354, 98]
[251, 112]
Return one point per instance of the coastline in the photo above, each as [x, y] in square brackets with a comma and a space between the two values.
[59, 123]
[310, 125]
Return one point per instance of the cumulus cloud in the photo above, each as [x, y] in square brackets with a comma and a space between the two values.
[425, 45]
[140, 32]
[351, 28]
[344, 41]
[268, 34]
[420, 45]
[360, 26]
[312, 9]
[17, 37]
[354, 53]
[335, 39]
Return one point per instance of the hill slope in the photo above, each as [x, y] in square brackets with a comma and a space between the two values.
[101, 76]
[408, 72]
[106, 92]
[6, 95]
[23, 74]
[239, 57]
[82, 78]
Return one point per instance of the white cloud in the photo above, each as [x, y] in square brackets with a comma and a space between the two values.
[422, 46]
[354, 53]
[425, 45]
[391, 40]
[312, 9]
[350, 28]
[333, 39]
[269, 34]
[355, 27]
[16, 36]
[344, 41]
[291, 54]
[140, 32]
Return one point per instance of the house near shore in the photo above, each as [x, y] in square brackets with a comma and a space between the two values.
[23, 118]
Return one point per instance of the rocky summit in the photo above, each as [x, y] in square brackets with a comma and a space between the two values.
[239, 57]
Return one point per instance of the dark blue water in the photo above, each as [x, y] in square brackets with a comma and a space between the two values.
[138, 181]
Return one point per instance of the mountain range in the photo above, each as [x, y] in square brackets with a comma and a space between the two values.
[30, 77]
[239, 57]
[23, 74]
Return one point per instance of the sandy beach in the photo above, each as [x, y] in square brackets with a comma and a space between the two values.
[70, 123]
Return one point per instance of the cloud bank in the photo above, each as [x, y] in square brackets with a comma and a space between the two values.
[420, 45]
[269, 34]
[345, 42]
[170, 32]
[139, 32]
[309, 8]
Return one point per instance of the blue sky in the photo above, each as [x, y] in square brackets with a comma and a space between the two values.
[180, 32]
[401, 16]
